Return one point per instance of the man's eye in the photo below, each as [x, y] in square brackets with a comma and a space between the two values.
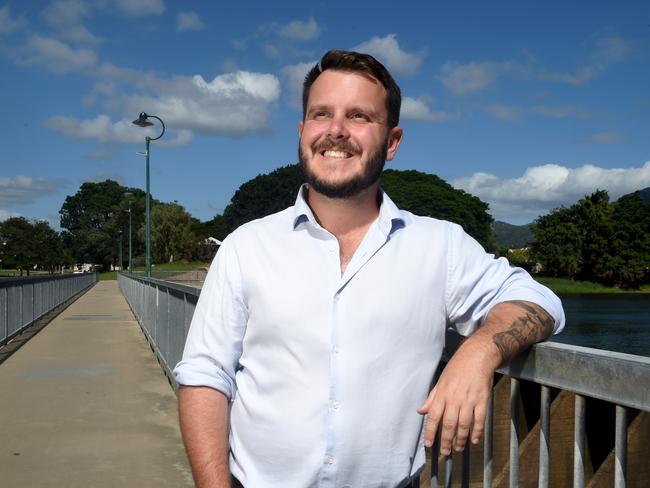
[320, 114]
[360, 117]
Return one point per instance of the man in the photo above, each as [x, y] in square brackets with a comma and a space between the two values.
[321, 326]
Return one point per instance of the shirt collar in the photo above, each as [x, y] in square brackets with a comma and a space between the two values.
[390, 219]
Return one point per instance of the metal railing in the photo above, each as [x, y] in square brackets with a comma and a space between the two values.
[165, 310]
[619, 380]
[25, 300]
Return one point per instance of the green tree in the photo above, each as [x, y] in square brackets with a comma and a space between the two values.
[94, 216]
[49, 252]
[263, 195]
[596, 240]
[593, 214]
[172, 238]
[558, 243]
[216, 228]
[629, 243]
[429, 195]
[417, 192]
[18, 246]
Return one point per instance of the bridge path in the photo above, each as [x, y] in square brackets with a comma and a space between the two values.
[85, 404]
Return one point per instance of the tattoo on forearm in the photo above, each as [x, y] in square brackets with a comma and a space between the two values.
[532, 326]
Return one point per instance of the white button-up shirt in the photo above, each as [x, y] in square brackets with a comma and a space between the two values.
[325, 371]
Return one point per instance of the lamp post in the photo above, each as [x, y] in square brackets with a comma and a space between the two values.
[120, 251]
[128, 194]
[143, 122]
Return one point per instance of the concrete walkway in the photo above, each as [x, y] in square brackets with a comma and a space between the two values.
[85, 404]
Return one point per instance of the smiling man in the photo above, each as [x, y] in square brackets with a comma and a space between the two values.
[319, 328]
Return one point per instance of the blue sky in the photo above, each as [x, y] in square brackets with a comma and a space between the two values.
[528, 105]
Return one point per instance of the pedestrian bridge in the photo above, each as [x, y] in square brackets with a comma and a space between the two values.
[84, 402]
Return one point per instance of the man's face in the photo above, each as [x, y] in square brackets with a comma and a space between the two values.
[344, 139]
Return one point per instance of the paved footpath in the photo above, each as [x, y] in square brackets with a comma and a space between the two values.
[85, 404]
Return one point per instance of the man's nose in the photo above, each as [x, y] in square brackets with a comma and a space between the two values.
[338, 128]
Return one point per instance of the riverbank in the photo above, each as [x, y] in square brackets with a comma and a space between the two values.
[566, 286]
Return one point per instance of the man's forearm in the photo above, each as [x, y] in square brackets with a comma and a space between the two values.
[515, 326]
[203, 415]
[458, 402]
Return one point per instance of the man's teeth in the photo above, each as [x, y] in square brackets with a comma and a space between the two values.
[336, 154]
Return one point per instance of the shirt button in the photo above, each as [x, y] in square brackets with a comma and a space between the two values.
[335, 404]
[336, 350]
[330, 460]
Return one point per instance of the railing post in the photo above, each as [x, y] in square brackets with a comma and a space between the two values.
[514, 433]
[488, 442]
[544, 437]
[579, 442]
[620, 471]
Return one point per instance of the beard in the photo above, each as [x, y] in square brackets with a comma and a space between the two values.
[372, 169]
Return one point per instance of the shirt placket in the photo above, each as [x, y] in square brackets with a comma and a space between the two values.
[330, 459]
[336, 287]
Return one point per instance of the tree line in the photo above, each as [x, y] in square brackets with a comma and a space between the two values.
[594, 239]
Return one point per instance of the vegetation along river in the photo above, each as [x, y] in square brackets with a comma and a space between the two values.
[619, 322]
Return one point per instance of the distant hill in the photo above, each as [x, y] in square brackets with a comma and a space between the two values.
[512, 236]
[645, 194]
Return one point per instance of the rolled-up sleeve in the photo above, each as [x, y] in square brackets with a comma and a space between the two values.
[214, 341]
[476, 281]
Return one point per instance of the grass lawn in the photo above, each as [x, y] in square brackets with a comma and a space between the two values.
[165, 267]
[566, 286]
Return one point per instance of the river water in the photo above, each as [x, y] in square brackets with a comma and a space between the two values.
[618, 322]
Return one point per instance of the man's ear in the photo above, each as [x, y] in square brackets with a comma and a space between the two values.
[394, 140]
[300, 124]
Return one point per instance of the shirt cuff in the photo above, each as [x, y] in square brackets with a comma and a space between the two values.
[194, 373]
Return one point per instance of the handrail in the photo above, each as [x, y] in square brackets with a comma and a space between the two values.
[164, 311]
[23, 300]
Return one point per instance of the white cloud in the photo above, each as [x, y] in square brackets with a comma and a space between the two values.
[56, 56]
[502, 112]
[294, 76]
[101, 153]
[24, 189]
[233, 103]
[140, 8]
[542, 188]
[297, 30]
[186, 21]
[603, 138]
[607, 51]
[300, 30]
[67, 17]
[470, 78]
[561, 111]
[104, 130]
[4, 215]
[418, 109]
[387, 50]
[8, 24]
[610, 50]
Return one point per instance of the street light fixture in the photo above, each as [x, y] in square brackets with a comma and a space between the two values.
[128, 195]
[142, 121]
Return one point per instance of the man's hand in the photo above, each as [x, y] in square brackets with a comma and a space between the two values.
[458, 403]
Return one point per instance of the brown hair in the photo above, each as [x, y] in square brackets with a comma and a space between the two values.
[359, 62]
